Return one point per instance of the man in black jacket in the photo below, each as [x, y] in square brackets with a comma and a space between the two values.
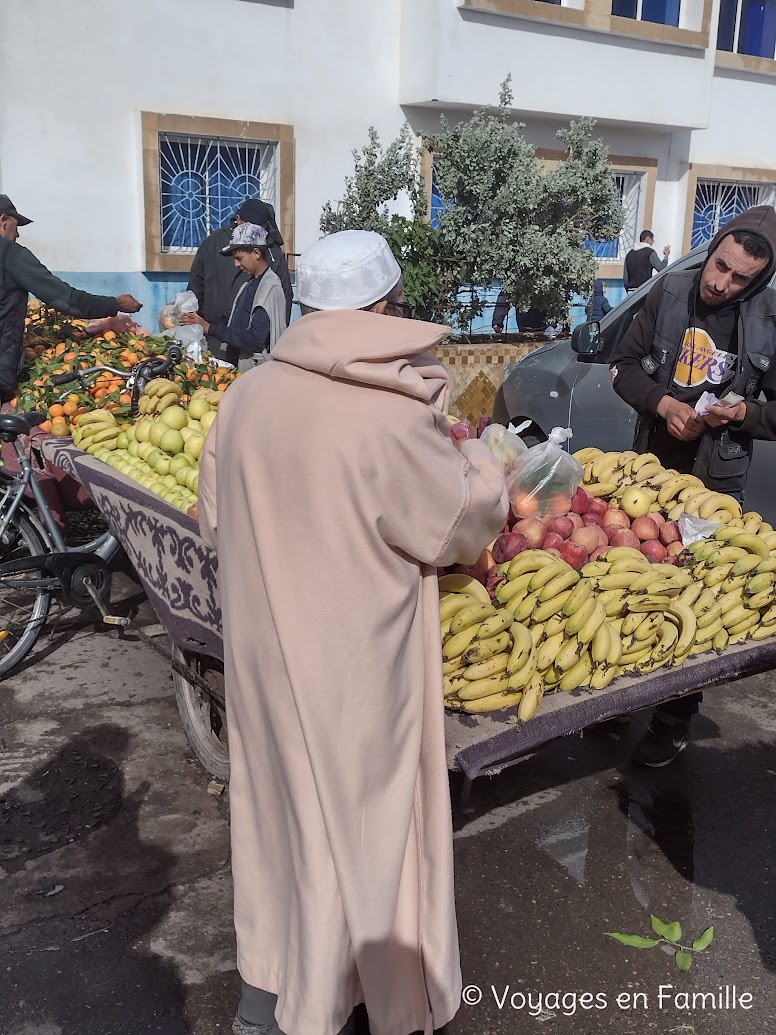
[642, 260]
[215, 280]
[21, 274]
[708, 330]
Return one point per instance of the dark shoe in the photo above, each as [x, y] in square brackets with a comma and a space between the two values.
[241, 1027]
[661, 744]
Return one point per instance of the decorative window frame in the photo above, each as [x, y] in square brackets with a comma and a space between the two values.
[716, 172]
[154, 123]
[596, 16]
[745, 63]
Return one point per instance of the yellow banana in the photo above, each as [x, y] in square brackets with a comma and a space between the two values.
[601, 643]
[476, 688]
[520, 679]
[450, 605]
[495, 666]
[444, 630]
[752, 521]
[564, 580]
[494, 703]
[96, 417]
[622, 553]
[529, 560]
[537, 632]
[551, 607]
[759, 584]
[631, 622]
[690, 595]
[524, 609]
[717, 575]
[648, 471]
[720, 641]
[591, 626]
[482, 650]
[473, 614]
[650, 629]
[605, 462]
[688, 625]
[733, 582]
[760, 600]
[464, 584]
[548, 651]
[623, 580]
[630, 564]
[644, 459]
[726, 533]
[555, 624]
[448, 667]
[614, 602]
[579, 675]
[735, 615]
[457, 644]
[769, 565]
[547, 574]
[762, 632]
[522, 644]
[588, 454]
[615, 645]
[568, 655]
[580, 593]
[730, 600]
[600, 488]
[595, 568]
[770, 538]
[710, 617]
[744, 626]
[642, 582]
[753, 543]
[602, 676]
[719, 501]
[581, 616]
[671, 489]
[769, 616]
[705, 602]
[664, 647]
[643, 603]
[494, 625]
[514, 587]
[452, 683]
[670, 587]
[532, 699]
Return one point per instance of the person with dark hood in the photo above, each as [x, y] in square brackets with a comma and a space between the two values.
[215, 279]
[708, 330]
[598, 306]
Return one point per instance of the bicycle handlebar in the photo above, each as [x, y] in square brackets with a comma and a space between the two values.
[156, 368]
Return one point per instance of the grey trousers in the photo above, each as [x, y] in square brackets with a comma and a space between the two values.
[257, 1008]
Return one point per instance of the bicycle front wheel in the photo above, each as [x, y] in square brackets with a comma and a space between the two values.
[23, 611]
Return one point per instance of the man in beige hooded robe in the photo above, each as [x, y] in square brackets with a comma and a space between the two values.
[331, 489]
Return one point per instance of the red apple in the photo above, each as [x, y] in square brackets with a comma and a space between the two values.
[533, 530]
[587, 538]
[552, 541]
[562, 526]
[556, 553]
[654, 550]
[598, 552]
[657, 517]
[580, 502]
[597, 506]
[674, 549]
[472, 570]
[669, 533]
[669, 560]
[592, 519]
[616, 517]
[576, 520]
[508, 545]
[644, 528]
[492, 575]
[625, 537]
[573, 554]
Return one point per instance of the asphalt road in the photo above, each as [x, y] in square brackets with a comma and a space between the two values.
[114, 865]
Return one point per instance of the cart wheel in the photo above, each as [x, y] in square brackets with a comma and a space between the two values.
[203, 720]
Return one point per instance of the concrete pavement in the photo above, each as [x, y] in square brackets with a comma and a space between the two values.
[115, 891]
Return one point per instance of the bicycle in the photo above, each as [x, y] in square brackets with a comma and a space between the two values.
[34, 559]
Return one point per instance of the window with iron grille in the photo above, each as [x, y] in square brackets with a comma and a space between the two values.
[630, 188]
[204, 179]
[718, 201]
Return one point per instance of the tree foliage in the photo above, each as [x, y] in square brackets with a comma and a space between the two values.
[506, 215]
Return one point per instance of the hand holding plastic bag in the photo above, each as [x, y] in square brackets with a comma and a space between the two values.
[545, 478]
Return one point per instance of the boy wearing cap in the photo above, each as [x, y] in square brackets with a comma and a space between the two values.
[258, 315]
[21, 274]
[331, 489]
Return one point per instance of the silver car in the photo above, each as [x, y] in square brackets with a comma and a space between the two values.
[567, 384]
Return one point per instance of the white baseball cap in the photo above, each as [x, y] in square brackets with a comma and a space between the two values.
[351, 269]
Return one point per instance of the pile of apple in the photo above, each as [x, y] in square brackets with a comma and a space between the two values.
[584, 533]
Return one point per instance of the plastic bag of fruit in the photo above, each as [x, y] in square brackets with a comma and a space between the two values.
[506, 447]
[545, 478]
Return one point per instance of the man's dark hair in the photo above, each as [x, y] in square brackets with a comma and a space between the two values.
[645, 235]
[255, 248]
[754, 245]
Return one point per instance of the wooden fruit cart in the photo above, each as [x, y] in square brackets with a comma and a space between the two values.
[179, 574]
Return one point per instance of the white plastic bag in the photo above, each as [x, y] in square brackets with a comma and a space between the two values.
[171, 313]
[506, 447]
[545, 478]
[692, 528]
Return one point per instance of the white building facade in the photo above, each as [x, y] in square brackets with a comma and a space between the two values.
[129, 131]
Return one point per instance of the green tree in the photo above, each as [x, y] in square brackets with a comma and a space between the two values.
[507, 217]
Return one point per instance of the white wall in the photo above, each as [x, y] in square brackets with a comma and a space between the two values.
[78, 74]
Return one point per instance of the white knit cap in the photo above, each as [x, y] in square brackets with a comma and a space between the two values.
[352, 269]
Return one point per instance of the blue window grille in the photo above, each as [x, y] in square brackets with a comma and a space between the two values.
[747, 27]
[718, 201]
[664, 12]
[204, 179]
[629, 187]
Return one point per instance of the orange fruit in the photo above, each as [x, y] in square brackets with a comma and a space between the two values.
[73, 398]
[69, 409]
[125, 399]
[56, 410]
[223, 386]
[109, 335]
[100, 393]
[45, 426]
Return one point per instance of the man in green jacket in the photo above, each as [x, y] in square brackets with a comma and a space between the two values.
[20, 274]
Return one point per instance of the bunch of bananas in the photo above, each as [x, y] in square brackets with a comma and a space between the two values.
[611, 475]
[486, 655]
[158, 395]
[96, 429]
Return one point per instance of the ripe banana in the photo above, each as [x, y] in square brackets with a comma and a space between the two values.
[494, 625]
[496, 666]
[494, 703]
[591, 626]
[717, 575]
[568, 655]
[594, 568]
[520, 679]
[485, 649]
[524, 609]
[630, 564]
[671, 489]
[753, 543]
[444, 630]
[96, 417]
[631, 622]
[522, 646]
[735, 615]
[759, 584]
[650, 629]
[529, 560]
[448, 667]
[760, 600]
[532, 699]
[450, 605]
[764, 631]
[705, 602]
[642, 603]
[464, 584]
[623, 580]
[691, 594]
[457, 644]
[602, 676]
[579, 675]
[555, 624]
[562, 581]
[727, 555]
[483, 688]
[471, 615]
[622, 553]
[745, 626]
[517, 587]
[537, 633]
[600, 645]
[613, 601]
[581, 616]
[587, 455]
[580, 593]
[551, 607]
[687, 624]
[600, 488]
[452, 683]
[720, 641]
[548, 651]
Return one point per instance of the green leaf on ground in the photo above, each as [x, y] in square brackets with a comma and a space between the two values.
[672, 932]
[705, 940]
[635, 941]
[683, 960]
